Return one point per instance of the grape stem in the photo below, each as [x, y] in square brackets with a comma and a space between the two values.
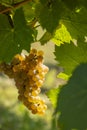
[14, 6]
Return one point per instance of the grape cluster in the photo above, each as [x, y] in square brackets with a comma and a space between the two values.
[29, 73]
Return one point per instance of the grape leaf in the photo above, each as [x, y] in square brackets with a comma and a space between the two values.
[29, 11]
[13, 40]
[63, 76]
[61, 35]
[72, 101]
[45, 38]
[49, 14]
[70, 56]
[52, 95]
[84, 3]
[76, 4]
[70, 4]
[76, 23]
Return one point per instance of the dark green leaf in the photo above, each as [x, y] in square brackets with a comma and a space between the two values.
[49, 15]
[71, 4]
[76, 23]
[72, 101]
[84, 3]
[45, 38]
[13, 40]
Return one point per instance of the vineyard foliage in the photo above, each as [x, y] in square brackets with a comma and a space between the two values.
[65, 24]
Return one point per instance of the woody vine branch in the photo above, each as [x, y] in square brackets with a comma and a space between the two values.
[14, 6]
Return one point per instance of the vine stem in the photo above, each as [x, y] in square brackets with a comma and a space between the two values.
[14, 6]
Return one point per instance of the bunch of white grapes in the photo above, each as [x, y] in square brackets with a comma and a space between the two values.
[29, 74]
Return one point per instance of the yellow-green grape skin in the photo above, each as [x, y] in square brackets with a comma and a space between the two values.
[39, 90]
[34, 87]
[34, 111]
[36, 77]
[34, 51]
[34, 106]
[35, 92]
[40, 59]
[40, 107]
[26, 94]
[41, 53]
[31, 98]
[39, 83]
[41, 112]
[45, 107]
[29, 74]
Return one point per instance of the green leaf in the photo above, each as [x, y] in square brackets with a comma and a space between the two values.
[84, 3]
[70, 4]
[76, 4]
[61, 35]
[72, 101]
[70, 56]
[13, 40]
[52, 95]
[45, 38]
[76, 23]
[63, 76]
[49, 15]
[29, 11]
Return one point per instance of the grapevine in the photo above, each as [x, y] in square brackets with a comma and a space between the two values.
[28, 71]
[64, 23]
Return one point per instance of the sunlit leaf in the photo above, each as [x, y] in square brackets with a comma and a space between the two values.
[52, 95]
[63, 76]
[61, 35]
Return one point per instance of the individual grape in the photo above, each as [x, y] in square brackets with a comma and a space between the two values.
[34, 111]
[34, 106]
[40, 59]
[39, 83]
[41, 53]
[35, 92]
[45, 107]
[17, 59]
[33, 51]
[41, 112]
[31, 72]
[36, 78]
[26, 94]
[31, 98]
[35, 87]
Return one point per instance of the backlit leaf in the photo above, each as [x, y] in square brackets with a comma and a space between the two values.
[52, 95]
